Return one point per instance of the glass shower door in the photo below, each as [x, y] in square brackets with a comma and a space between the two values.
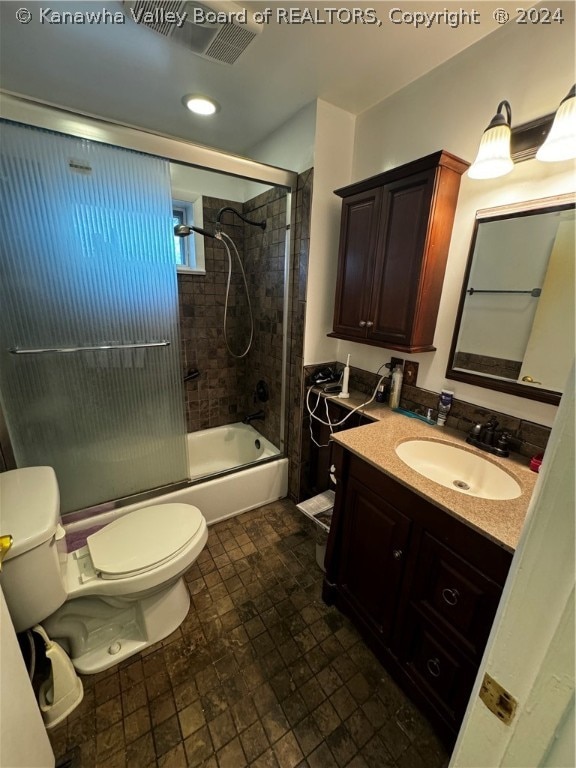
[90, 374]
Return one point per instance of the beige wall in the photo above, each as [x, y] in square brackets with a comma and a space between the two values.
[532, 67]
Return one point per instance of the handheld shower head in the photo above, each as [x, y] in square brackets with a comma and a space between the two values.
[183, 230]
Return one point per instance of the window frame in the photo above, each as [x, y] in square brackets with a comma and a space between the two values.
[192, 210]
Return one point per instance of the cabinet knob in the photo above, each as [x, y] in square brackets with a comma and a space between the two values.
[397, 554]
[433, 666]
[362, 323]
[369, 324]
[450, 596]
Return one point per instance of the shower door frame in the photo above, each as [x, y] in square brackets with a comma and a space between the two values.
[41, 114]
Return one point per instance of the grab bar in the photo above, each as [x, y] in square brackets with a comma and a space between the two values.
[145, 345]
[535, 292]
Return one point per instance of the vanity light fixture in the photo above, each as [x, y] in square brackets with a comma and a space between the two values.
[550, 138]
[200, 105]
[560, 143]
[493, 158]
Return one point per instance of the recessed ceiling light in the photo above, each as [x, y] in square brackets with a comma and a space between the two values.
[200, 105]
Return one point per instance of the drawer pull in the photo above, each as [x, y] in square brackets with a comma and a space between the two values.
[362, 323]
[433, 666]
[450, 596]
[369, 324]
[397, 554]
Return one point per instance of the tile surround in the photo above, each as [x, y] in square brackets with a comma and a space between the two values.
[261, 673]
[224, 391]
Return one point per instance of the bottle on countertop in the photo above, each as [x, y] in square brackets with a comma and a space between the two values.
[396, 387]
[444, 405]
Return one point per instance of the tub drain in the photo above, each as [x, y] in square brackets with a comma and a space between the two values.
[461, 484]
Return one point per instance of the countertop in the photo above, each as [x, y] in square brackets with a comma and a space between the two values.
[500, 520]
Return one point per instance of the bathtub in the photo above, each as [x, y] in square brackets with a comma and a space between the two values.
[245, 475]
[222, 448]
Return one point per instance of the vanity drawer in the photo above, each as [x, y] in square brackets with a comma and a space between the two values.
[436, 667]
[454, 594]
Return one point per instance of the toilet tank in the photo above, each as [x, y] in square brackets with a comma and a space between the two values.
[32, 573]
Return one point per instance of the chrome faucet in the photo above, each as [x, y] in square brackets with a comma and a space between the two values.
[254, 417]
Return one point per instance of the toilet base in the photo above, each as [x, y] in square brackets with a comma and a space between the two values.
[98, 633]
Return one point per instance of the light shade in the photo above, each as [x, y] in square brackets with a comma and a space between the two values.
[200, 105]
[493, 158]
[560, 143]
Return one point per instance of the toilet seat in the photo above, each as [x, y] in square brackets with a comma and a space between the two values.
[143, 540]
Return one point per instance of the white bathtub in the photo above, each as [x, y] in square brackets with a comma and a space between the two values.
[222, 448]
[257, 480]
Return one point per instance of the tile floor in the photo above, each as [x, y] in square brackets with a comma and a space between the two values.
[261, 673]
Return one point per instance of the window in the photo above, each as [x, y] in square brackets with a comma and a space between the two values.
[188, 251]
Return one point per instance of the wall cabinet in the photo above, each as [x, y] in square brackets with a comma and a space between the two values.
[394, 238]
[422, 586]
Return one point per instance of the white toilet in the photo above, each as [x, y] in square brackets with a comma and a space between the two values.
[114, 597]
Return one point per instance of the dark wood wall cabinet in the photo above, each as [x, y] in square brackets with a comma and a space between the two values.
[394, 238]
[421, 586]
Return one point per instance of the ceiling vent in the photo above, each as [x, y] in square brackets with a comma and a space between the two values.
[218, 30]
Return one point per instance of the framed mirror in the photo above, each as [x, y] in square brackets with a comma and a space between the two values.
[514, 329]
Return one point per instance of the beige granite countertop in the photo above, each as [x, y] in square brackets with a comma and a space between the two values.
[500, 520]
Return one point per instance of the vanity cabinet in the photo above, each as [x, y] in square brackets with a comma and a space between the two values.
[422, 586]
[394, 238]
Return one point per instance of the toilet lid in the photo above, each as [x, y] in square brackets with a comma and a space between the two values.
[143, 539]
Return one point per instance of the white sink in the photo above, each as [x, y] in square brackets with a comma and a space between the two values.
[458, 469]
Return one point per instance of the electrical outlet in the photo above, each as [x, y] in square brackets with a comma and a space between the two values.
[394, 361]
[410, 372]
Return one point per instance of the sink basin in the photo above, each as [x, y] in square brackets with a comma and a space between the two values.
[458, 469]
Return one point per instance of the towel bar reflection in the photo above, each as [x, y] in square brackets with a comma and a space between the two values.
[65, 350]
[535, 292]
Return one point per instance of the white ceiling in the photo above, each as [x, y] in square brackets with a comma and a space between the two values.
[134, 75]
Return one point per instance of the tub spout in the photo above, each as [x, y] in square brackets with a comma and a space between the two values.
[254, 416]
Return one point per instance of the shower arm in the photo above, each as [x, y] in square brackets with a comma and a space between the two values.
[261, 224]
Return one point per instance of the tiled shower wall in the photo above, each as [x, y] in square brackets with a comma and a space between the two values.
[224, 392]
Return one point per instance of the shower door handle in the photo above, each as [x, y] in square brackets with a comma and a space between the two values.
[143, 345]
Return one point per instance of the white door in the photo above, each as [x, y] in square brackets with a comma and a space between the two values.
[24, 742]
[550, 347]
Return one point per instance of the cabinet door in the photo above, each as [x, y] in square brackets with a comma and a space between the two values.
[454, 595]
[405, 214]
[438, 669]
[375, 538]
[358, 239]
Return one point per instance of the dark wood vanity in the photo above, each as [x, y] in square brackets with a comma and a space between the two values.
[394, 238]
[421, 584]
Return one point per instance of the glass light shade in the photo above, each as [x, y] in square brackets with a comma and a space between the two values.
[560, 143]
[493, 157]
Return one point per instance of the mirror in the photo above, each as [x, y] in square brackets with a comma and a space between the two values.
[515, 325]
